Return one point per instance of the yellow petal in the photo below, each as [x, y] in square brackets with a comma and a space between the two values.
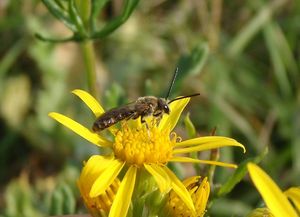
[191, 181]
[192, 160]
[176, 108]
[106, 178]
[202, 195]
[91, 171]
[204, 143]
[95, 166]
[294, 195]
[90, 101]
[93, 104]
[161, 177]
[270, 192]
[203, 140]
[180, 190]
[123, 198]
[80, 130]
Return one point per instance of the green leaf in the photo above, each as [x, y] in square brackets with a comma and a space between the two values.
[56, 11]
[84, 9]
[11, 55]
[247, 33]
[114, 96]
[56, 207]
[69, 199]
[129, 7]
[239, 173]
[62, 200]
[274, 46]
[60, 4]
[189, 126]
[286, 52]
[193, 63]
[118, 21]
[97, 6]
[20, 199]
[75, 17]
[59, 40]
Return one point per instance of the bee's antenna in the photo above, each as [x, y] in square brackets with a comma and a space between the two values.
[183, 97]
[172, 83]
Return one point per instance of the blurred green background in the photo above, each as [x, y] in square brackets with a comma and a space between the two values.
[242, 56]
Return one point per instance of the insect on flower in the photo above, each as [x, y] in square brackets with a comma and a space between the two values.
[143, 107]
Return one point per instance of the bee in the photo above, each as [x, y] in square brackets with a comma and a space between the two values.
[143, 107]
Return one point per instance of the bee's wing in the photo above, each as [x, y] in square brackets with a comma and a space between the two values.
[131, 110]
[114, 116]
[119, 113]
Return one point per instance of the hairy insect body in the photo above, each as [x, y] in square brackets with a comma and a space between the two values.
[142, 107]
[111, 117]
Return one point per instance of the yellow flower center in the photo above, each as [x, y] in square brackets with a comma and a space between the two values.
[144, 145]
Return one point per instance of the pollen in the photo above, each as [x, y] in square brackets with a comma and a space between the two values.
[145, 144]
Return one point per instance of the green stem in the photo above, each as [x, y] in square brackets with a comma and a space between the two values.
[214, 156]
[90, 66]
[87, 47]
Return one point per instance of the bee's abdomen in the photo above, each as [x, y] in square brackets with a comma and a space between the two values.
[110, 118]
[103, 123]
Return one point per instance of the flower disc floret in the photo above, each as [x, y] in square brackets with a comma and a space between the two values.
[144, 145]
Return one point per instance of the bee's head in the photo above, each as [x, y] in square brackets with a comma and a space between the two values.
[163, 105]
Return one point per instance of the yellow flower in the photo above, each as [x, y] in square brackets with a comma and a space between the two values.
[136, 147]
[199, 190]
[293, 194]
[100, 205]
[275, 199]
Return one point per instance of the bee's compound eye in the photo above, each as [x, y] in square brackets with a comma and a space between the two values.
[166, 108]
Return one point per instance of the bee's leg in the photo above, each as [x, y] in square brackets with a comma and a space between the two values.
[158, 118]
[131, 116]
[137, 115]
[143, 121]
[134, 115]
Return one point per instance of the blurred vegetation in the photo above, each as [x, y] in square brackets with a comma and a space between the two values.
[242, 56]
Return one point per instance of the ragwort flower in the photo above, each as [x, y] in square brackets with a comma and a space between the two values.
[199, 190]
[275, 199]
[136, 147]
[98, 206]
